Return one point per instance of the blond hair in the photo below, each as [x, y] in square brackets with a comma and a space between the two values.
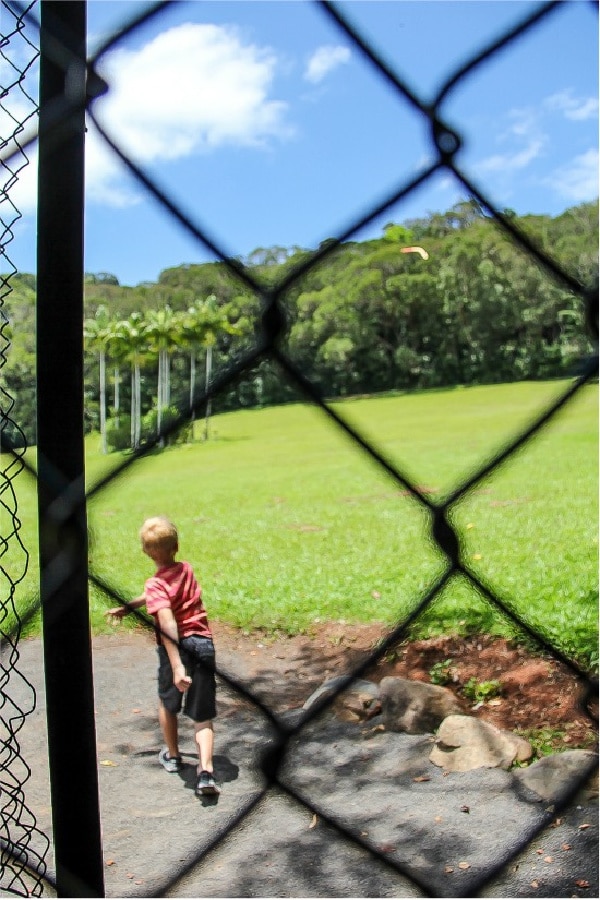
[158, 533]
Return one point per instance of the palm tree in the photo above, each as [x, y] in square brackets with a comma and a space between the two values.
[163, 328]
[202, 326]
[97, 334]
[130, 344]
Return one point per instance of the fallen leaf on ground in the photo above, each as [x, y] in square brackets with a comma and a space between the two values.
[464, 865]
[547, 859]
[313, 821]
[136, 710]
[422, 778]
[387, 848]
[107, 762]
[110, 862]
[448, 870]
[565, 846]
[585, 825]
[582, 883]
[465, 809]
[534, 884]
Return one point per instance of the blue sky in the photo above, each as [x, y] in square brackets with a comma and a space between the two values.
[269, 128]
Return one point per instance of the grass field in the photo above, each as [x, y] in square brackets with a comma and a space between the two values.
[287, 522]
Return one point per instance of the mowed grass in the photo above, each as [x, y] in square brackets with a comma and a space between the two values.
[288, 522]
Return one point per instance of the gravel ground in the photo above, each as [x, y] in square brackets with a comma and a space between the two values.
[378, 819]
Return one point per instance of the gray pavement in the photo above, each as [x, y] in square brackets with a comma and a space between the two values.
[379, 820]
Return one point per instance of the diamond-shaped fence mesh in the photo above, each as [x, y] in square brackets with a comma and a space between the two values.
[22, 845]
[23, 871]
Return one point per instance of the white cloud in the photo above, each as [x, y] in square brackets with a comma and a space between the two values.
[512, 161]
[192, 89]
[578, 109]
[523, 141]
[578, 180]
[324, 60]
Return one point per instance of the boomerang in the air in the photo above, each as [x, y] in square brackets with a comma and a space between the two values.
[423, 253]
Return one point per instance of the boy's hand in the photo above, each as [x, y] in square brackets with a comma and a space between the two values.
[181, 679]
[116, 613]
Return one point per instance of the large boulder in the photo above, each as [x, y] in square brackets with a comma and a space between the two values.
[554, 778]
[464, 743]
[415, 707]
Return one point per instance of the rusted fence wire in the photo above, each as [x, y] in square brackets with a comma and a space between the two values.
[446, 143]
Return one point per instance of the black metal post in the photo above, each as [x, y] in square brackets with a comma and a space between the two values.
[60, 442]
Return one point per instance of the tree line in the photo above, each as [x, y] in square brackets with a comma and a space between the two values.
[368, 318]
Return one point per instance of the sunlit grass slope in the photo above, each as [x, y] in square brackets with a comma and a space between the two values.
[288, 522]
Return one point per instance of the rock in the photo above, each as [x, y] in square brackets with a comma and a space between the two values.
[358, 702]
[552, 777]
[464, 743]
[414, 707]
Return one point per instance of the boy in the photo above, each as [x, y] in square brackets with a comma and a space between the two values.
[186, 651]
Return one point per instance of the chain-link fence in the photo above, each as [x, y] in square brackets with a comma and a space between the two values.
[17, 821]
[23, 845]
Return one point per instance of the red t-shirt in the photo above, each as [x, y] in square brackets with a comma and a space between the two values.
[175, 587]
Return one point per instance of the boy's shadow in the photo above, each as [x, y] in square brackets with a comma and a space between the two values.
[225, 770]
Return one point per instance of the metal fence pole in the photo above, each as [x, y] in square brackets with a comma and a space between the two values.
[61, 468]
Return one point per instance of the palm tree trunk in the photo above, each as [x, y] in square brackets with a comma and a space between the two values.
[167, 378]
[117, 378]
[192, 383]
[103, 401]
[208, 378]
[133, 408]
[159, 393]
[138, 405]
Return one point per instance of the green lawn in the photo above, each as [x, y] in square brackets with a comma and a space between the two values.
[287, 522]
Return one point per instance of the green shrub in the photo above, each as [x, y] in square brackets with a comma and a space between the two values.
[480, 691]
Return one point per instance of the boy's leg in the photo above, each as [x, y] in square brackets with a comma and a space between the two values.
[168, 724]
[204, 738]
[169, 704]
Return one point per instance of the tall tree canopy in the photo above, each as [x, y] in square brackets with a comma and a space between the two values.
[366, 318]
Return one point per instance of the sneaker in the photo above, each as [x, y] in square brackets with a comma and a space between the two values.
[169, 763]
[206, 785]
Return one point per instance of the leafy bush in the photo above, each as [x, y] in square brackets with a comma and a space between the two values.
[168, 417]
[440, 672]
[480, 691]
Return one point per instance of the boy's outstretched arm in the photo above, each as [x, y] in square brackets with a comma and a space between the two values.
[119, 611]
[170, 638]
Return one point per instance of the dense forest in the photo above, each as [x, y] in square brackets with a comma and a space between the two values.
[367, 318]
